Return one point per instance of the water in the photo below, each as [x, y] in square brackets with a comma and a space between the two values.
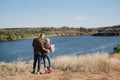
[65, 45]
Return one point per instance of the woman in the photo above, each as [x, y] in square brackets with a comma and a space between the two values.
[46, 55]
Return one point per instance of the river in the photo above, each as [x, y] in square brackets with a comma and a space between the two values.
[21, 50]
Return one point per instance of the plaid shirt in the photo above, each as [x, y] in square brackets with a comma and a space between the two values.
[37, 46]
[47, 46]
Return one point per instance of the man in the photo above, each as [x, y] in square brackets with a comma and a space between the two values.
[38, 47]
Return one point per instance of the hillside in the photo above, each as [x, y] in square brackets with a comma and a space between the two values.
[108, 31]
[21, 33]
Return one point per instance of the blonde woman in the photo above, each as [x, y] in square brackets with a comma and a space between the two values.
[46, 55]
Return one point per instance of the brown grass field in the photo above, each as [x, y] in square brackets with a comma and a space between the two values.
[84, 67]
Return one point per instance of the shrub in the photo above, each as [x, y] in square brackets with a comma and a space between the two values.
[117, 49]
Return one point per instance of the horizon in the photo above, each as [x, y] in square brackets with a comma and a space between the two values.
[59, 27]
[54, 13]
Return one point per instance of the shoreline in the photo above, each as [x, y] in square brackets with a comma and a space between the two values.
[37, 36]
[28, 38]
[107, 34]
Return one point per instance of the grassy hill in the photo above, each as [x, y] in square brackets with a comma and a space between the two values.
[108, 31]
[20, 33]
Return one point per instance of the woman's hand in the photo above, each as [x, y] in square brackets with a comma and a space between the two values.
[48, 51]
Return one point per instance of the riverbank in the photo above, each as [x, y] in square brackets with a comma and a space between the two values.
[84, 67]
[107, 34]
[108, 31]
[21, 33]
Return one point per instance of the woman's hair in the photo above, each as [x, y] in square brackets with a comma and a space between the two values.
[47, 40]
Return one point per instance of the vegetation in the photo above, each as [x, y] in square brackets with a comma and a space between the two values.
[111, 29]
[108, 31]
[117, 49]
[67, 68]
[88, 63]
[20, 33]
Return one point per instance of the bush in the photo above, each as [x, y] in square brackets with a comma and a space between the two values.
[3, 37]
[117, 49]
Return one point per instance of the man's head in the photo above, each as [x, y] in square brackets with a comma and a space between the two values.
[42, 36]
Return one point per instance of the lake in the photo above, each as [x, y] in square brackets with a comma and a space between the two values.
[21, 50]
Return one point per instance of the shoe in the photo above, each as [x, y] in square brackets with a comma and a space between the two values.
[46, 71]
[50, 70]
[38, 73]
[33, 72]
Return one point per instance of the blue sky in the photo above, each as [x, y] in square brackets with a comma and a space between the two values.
[57, 13]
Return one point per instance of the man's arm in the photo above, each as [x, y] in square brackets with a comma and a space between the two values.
[45, 49]
[33, 43]
[42, 45]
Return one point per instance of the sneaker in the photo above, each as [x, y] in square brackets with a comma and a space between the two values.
[38, 73]
[33, 72]
[46, 71]
[50, 70]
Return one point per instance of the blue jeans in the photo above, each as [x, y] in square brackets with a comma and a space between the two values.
[49, 61]
[37, 57]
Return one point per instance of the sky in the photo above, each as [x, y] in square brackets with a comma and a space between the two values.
[58, 13]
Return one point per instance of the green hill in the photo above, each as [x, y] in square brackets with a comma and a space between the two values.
[108, 31]
[21, 33]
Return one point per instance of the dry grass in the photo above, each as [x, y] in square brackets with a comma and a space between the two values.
[88, 63]
[103, 66]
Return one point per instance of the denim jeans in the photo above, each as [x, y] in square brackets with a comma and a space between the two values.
[37, 58]
[49, 61]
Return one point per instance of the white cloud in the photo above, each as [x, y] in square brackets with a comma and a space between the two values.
[80, 18]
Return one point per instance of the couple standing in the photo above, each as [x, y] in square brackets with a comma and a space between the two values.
[41, 51]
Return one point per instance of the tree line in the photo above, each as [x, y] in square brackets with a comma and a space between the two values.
[108, 31]
[21, 33]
